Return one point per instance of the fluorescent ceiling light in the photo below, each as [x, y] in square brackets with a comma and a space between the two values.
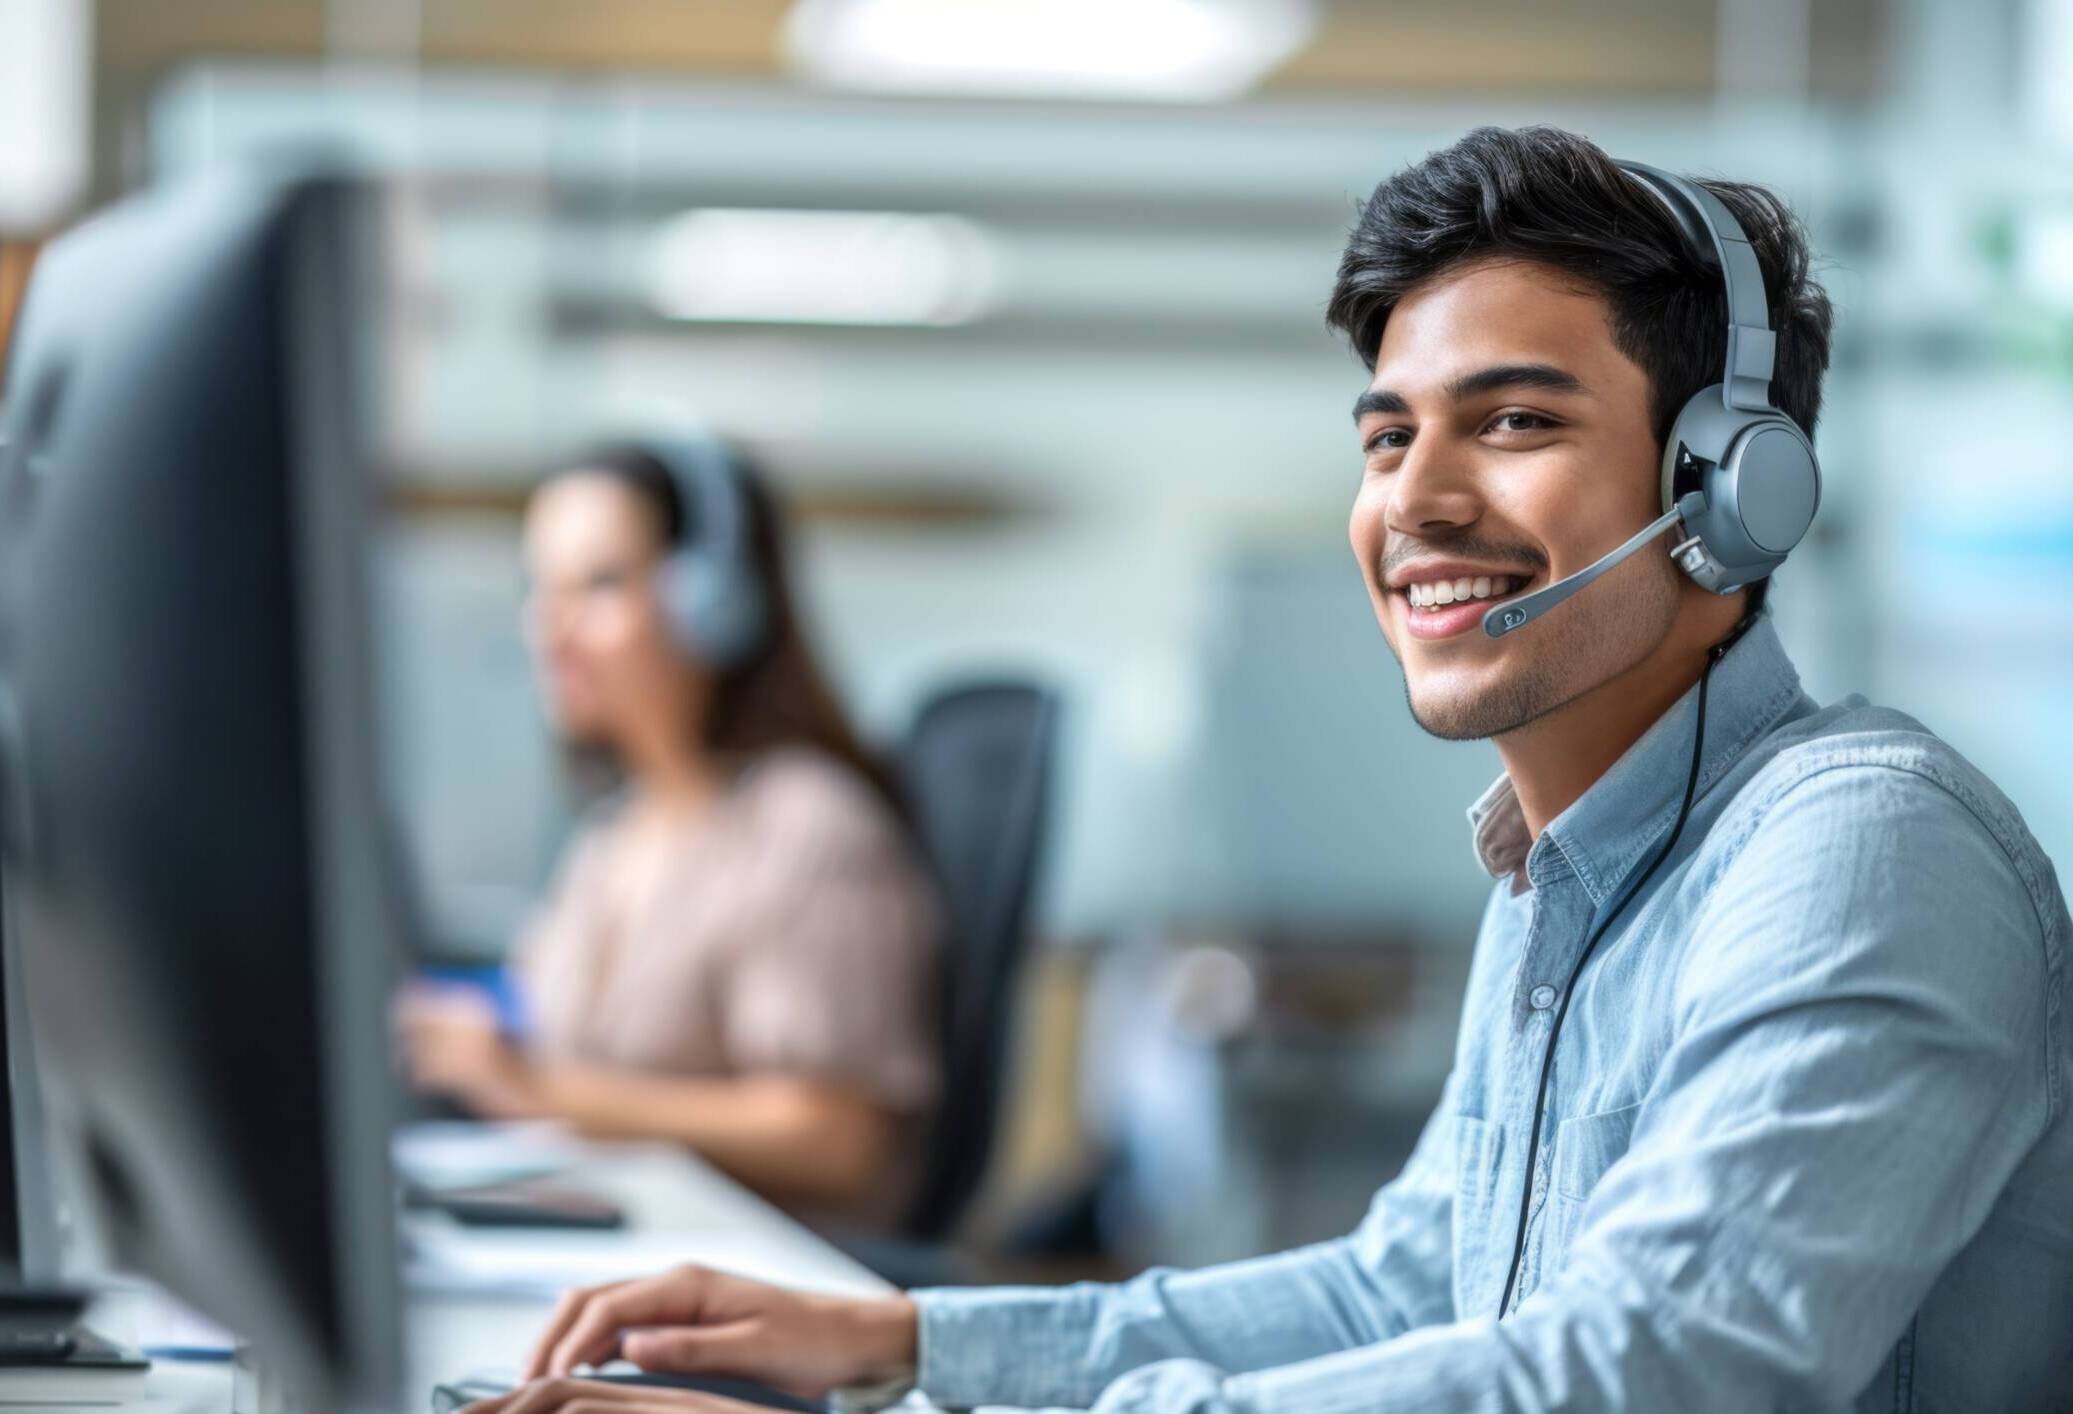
[1179, 50]
[44, 57]
[821, 267]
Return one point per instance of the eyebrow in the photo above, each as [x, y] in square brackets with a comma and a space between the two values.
[1544, 376]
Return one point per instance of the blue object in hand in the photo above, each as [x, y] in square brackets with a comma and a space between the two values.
[493, 981]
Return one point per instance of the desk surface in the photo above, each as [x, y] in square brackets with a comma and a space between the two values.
[474, 1299]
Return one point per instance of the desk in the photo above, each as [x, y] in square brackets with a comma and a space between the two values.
[679, 1209]
[475, 1298]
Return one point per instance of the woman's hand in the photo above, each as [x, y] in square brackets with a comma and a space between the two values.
[696, 1321]
[452, 1045]
[597, 1397]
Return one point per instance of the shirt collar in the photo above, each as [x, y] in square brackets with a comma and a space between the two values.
[1606, 830]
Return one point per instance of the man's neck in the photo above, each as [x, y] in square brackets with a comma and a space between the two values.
[1554, 759]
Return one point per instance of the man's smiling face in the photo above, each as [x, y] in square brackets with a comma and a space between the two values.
[1506, 443]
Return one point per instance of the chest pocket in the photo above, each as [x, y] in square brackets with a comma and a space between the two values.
[1585, 1147]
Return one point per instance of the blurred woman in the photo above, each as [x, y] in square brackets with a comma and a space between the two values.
[738, 953]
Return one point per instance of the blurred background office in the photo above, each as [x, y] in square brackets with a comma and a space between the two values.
[1019, 302]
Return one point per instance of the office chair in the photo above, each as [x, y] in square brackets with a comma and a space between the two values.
[976, 772]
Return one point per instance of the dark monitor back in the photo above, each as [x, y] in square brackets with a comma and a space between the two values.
[32, 1225]
[186, 765]
[11, 1256]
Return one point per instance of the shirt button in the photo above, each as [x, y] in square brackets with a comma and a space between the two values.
[1542, 997]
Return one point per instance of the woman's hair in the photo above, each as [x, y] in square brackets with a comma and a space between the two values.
[777, 695]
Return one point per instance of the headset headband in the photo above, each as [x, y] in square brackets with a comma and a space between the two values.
[709, 493]
[1717, 237]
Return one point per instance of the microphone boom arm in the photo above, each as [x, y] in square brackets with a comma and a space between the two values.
[1501, 619]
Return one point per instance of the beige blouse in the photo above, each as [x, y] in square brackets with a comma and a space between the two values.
[794, 933]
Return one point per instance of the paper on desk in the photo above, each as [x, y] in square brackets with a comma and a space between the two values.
[536, 1264]
[458, 1154]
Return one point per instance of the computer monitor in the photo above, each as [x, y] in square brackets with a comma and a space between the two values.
[38, 1276]
[188, 812]
[29, 1248]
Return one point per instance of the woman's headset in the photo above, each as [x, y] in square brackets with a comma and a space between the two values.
[712, 591]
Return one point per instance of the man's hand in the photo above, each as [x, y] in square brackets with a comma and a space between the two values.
[597, 1397]
[696, 1321]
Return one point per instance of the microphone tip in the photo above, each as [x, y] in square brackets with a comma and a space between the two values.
[1503, 619]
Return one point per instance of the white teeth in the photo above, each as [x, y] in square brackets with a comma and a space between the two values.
[1433, 594]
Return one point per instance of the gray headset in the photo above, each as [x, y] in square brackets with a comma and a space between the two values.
[711, 590]
[1751, 463]
[1739, 476]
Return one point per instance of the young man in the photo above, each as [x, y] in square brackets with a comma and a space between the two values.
[1802, 1143]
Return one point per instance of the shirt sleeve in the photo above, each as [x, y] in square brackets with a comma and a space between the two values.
[1064, 1345]
[1858, 1071]
[837, 974]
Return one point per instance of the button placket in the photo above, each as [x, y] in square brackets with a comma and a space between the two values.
[1542, 1179]
[1561, 912]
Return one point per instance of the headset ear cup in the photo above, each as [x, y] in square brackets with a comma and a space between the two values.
[712, 619]
[1776, 484]
[675, 587]
[1761, 485]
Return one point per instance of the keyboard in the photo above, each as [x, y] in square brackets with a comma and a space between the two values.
[450, 1398]
[36, 1347]
[71, 1348]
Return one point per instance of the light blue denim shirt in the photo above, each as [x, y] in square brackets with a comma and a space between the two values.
[1806, 1145]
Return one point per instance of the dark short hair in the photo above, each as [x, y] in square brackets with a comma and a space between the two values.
[1549, 196]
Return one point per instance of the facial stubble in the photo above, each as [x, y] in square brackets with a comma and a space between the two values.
[1577, 648]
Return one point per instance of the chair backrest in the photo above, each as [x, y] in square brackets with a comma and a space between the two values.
[976, 769]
